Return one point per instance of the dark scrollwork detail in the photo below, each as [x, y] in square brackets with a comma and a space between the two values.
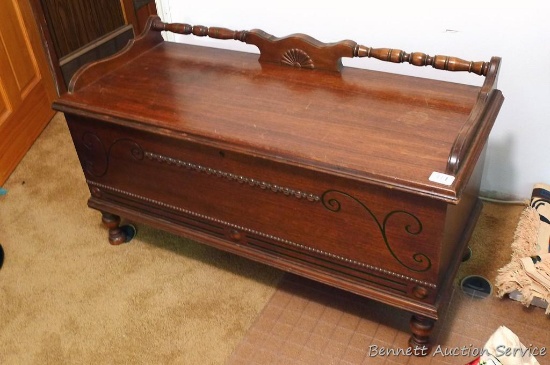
[237, 231]
[297, 58]
[423, 262]
[96, 156]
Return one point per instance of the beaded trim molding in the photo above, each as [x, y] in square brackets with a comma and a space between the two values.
[261, 234]
[233, 177]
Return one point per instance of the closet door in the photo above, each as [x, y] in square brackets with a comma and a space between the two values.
[26, 84]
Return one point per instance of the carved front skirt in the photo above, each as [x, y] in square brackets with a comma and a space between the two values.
[376, 241]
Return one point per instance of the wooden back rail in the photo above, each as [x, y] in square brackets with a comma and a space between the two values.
[328, 55]
[303, 51]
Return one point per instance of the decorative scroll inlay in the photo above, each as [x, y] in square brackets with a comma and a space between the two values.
[297, 58]
[96, 157]
[261, 234]
[233, 177]
[422, 262]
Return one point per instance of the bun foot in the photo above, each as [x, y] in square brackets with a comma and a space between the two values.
[421, 328]
[117, 234]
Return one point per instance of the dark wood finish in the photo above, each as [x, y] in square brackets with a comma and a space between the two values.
[137, 12]
[116, 234]
[321, 173]
[300, 50]
[105, 46]
[71, 42]
[129, 11]
[421, 327]
[76, 23]
[143, 10]
[47, 41]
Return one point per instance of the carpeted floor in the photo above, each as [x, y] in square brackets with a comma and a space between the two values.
[68, 297]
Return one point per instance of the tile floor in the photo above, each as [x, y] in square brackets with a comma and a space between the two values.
[309, 323]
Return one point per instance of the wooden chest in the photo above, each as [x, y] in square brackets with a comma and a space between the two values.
[363, 180]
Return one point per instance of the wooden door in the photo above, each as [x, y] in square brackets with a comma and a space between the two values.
[26, 84]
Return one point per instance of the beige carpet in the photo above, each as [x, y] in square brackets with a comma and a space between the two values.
[491, 241]
[68, 297]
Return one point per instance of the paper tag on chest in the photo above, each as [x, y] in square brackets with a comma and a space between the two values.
[441, 178]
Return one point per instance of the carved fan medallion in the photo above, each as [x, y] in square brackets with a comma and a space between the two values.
[297, 58]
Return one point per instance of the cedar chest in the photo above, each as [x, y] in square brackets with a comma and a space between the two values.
[363, 180]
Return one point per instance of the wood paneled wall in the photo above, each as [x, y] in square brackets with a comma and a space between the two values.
[76, 23]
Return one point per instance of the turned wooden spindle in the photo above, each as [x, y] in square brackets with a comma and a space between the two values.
[200, 30]
[421, 328]
[303, 51]
[321, 55]
[421, 59]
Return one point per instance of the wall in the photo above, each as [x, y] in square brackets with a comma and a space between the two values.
[519, 144]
